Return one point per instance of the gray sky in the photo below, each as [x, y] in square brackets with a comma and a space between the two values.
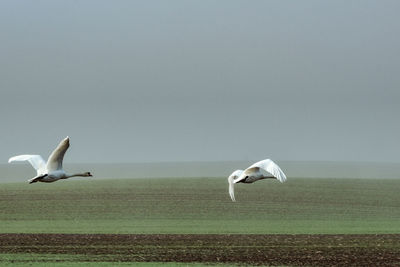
[139, 81]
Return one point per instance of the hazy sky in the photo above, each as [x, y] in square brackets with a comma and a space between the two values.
[139, 81]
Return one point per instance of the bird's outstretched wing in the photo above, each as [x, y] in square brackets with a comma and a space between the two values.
[237, 176]
[231, 181]
[269, 166]
[36, 161]
[56, 158]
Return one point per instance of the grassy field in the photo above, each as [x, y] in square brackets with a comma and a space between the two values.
[190, 208]
[202, 206]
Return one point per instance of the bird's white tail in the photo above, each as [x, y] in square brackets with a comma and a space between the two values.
[231, 188]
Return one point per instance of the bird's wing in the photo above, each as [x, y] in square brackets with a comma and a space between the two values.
[56, 158]
[231, 181]
[237, 176]
[251, 170]
[236, 173]
[269, 166]
[36, 161]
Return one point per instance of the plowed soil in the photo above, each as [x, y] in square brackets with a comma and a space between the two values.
[298, 250]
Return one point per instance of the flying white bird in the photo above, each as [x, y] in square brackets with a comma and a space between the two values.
[52, 170]
[253, 173]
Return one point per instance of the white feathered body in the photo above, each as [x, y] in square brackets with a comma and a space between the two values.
[51, 176]
[254, 177]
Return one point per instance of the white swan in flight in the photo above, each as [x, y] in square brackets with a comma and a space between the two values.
[52, 170]
[253, 173]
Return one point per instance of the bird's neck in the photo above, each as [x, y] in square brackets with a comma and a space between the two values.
[74, 175]
[268, 177]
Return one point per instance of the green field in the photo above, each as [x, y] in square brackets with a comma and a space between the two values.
[202, 206]
[185, 210]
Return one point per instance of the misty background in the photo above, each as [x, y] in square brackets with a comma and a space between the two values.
[201, 81]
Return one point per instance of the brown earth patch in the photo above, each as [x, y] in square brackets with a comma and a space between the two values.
[298, 250]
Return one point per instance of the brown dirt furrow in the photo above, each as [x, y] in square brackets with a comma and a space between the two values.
[299, 250]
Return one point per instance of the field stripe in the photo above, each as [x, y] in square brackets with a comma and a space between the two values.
[247, 249]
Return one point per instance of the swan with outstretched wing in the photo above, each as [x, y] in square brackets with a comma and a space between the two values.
[52, 170]
[254, 173]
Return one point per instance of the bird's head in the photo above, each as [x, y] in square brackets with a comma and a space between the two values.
[87, 174]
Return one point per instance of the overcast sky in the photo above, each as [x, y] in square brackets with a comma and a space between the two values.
[140, 81]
